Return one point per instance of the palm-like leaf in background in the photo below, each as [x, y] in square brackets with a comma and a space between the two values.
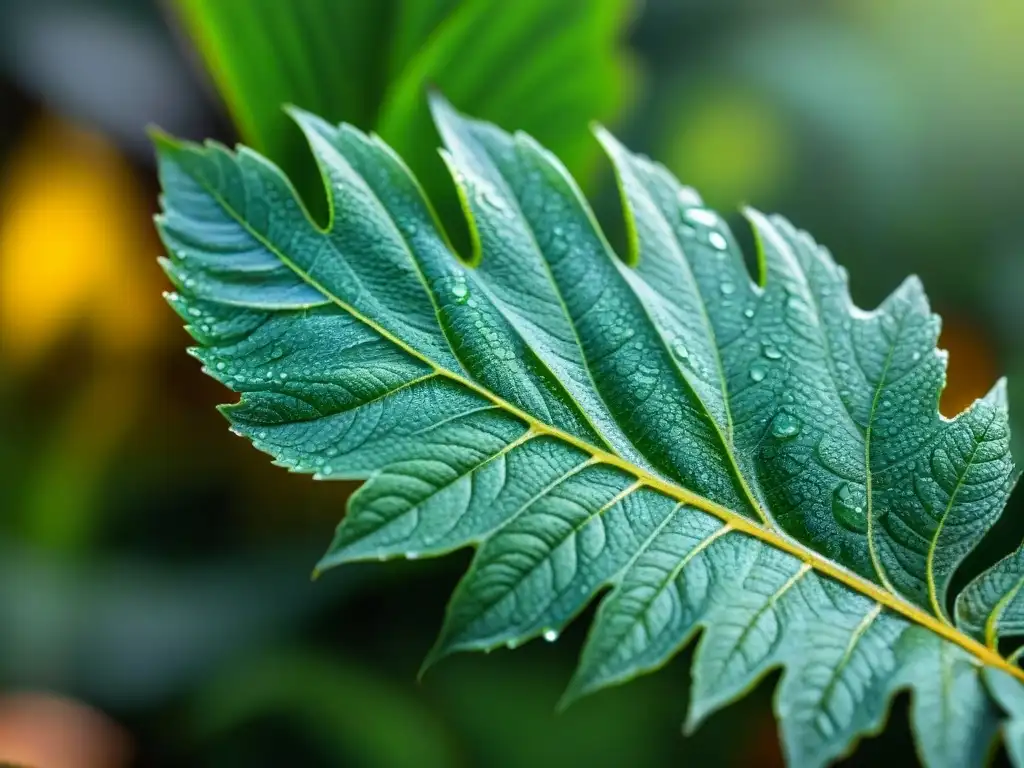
[762, 461]
[549, 65]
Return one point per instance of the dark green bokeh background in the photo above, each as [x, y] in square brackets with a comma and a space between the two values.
[159, 572]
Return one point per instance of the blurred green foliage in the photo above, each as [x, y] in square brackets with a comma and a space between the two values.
[546, 67]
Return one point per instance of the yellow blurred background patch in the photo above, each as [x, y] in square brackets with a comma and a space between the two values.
[74, 235]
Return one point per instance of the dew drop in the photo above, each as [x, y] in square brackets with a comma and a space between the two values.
[727, 288]
[772, 353]
[460, 292]
[795, 304]
[916, 356]
[785, 426]
[411, 555]
[492, 199]
[758, 372]
[679, 350]
[221, 366]
[848, 508]
[194, 311]
[748, 312]
[717, 241]
[702, 216]
[550, 635]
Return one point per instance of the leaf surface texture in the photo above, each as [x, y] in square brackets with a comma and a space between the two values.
[756, 460]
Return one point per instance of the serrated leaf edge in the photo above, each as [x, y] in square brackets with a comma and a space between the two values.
[736, 521]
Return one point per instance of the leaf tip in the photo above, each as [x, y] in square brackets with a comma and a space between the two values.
[434, 655]
[329, 560]
[441, 110]
[911, 291]
[306, 120]
[603, 135]
[161, 139]
[439, 105]
[998, 396]
[695, 717]
[573, 693]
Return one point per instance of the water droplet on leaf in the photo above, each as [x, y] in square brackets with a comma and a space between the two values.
[758, 372]
[702, 216]
[848, 508]
[717, 241]
[550, 635]
[785, 426]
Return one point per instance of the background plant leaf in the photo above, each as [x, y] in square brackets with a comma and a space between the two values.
[369, 62]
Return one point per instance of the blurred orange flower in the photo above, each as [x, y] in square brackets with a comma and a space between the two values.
[46, 731]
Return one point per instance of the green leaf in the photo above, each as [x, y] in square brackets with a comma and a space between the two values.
[550, 66]
[1010, 695]
[759, 461]
[992, 605]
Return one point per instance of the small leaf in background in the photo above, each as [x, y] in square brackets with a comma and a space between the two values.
[73, 240]
[548, 67]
